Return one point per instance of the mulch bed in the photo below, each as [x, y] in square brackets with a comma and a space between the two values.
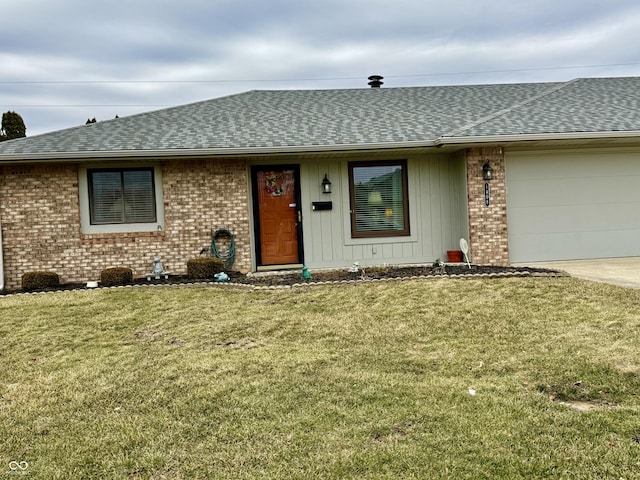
[380, 273]
[294, 278]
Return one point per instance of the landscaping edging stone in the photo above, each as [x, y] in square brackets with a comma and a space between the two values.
[248, 286]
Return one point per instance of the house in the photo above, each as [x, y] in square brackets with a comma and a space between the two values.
[325, 178]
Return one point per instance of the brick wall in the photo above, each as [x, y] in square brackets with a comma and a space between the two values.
[488, 240]
[40, 216]
[201, 196]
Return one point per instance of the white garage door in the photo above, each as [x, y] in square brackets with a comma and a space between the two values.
[566, 206]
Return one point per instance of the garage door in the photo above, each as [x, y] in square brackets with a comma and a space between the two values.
[563, 206]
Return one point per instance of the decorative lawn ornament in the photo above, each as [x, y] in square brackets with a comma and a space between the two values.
[221, 277]
[306, 274]
[158, 270]
[464, 246]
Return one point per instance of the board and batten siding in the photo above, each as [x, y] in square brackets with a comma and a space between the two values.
[437, 215]
[573, 204]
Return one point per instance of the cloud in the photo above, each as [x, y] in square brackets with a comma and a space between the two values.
[224, 46]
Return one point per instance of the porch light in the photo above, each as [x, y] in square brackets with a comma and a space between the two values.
[487, 172]
[326, 184]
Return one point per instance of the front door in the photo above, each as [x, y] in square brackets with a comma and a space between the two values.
[277, 215]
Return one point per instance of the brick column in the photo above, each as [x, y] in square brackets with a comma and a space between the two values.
[488, 240]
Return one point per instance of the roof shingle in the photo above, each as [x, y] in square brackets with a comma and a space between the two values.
[284, 119]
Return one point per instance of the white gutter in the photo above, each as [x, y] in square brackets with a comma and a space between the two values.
[532, 137]
[310, 149]
[200, 152]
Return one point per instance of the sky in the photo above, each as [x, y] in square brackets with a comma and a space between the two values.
[66, 61]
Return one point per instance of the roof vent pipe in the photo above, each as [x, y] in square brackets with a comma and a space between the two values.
[375, 81]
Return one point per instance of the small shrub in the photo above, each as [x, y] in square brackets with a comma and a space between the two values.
[40, 280]
[204, 267]
[110, 277]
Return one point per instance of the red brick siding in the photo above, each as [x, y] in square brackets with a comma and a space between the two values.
[40, 216]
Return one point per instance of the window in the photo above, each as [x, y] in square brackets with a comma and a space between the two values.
[378, 194]
[124, 195]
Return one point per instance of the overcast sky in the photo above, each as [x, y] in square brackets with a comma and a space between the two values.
[64, 61]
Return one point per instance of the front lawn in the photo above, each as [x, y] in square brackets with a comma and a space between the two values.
[438, 378]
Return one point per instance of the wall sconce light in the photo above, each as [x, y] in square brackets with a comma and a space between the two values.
[326, 184]
[487, 172]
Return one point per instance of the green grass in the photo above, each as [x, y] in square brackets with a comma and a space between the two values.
[356, 381]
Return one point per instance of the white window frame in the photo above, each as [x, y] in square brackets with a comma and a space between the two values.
[85, 213]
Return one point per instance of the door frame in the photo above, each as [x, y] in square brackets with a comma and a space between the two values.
[256, 211]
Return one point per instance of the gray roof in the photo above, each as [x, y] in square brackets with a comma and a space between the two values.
[299, 120]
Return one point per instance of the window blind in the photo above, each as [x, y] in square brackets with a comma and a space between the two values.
[379, 199]
[122, 196]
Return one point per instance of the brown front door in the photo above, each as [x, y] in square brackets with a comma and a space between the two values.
[276, 203]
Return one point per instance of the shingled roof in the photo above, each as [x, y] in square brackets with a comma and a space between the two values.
[310, 120]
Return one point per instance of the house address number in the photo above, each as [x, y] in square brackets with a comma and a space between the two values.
[486, 194]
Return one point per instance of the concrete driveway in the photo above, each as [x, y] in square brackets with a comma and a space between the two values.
[624, 272]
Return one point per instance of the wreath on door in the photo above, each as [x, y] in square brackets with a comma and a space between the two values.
[274, 185]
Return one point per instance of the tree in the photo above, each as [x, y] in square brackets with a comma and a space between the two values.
[12, 126]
